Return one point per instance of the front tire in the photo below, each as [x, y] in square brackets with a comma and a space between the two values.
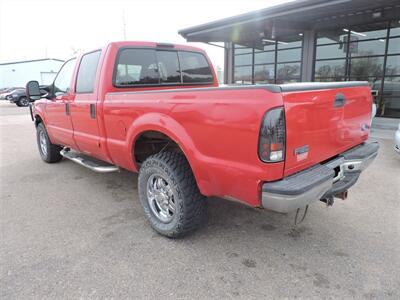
[23, 102]
[169, 194]
[49, 152]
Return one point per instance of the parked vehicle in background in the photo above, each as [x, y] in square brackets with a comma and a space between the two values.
[18, 97]
[5, 91]
[157, 109]
[397, 140]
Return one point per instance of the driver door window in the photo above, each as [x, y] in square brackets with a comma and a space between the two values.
[59, 126]
[63, 79]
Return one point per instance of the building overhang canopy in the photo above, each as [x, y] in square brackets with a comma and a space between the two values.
[291, 19]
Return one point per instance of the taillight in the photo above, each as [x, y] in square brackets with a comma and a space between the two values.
[271, 145]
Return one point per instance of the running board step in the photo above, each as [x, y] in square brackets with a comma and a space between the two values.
[88, 162]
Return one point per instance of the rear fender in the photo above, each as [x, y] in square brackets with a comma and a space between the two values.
[168, 126]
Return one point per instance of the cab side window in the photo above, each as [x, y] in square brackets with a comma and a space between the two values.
[87, 72]
[64, 76]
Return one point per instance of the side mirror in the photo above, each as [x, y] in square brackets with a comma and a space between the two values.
[33, 90]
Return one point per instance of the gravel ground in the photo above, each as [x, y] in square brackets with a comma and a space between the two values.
[67, 232]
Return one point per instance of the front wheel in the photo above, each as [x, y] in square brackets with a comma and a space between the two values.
[23, 101]
[49, 152]
[169, 194]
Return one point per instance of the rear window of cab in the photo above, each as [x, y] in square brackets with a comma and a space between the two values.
[144, 67]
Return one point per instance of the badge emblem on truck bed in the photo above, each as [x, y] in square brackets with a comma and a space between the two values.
[301, 152]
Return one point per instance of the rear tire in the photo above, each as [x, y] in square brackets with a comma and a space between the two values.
[169, 194]
[49, 152]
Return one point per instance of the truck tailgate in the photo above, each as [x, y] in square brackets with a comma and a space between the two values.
[323, 120]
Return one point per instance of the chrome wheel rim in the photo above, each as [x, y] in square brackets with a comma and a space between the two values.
[24, 101]
[43, 143]
[161, 198]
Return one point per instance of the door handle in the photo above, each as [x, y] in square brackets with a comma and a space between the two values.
[92, 111]
[67, 111]
[340, 100]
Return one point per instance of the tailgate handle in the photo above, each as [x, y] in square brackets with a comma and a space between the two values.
[340, 100]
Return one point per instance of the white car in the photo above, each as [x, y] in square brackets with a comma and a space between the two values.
[397, 140]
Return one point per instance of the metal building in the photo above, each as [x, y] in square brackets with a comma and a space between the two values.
[313, 40]
[17, 74]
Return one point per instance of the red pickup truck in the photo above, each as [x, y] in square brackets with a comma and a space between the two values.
[157, 109]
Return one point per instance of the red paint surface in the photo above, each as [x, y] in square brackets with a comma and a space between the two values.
[311, 119]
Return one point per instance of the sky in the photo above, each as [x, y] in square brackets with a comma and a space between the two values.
[59, 28]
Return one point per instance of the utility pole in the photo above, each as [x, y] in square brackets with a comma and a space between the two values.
[123, 24]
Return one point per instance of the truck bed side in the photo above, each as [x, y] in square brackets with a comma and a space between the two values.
[217, 128]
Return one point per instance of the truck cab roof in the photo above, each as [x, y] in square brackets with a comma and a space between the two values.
[121, 44]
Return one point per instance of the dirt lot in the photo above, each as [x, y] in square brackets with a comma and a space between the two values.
[69, 232]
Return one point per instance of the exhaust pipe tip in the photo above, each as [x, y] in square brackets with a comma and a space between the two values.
[342, 195]
[328, 200]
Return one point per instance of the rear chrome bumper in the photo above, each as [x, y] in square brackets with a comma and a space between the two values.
[320, 181]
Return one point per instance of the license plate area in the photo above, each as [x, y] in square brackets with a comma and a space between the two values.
[337, 166]
[339, 173]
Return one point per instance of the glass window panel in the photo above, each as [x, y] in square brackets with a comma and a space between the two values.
[328, 79]
[366, 48]
[392, 65]
[242, 49]
[168, 67]
[195, 68]
[281, 81]
[331, 51]
[264, 57]
[367, 66]
[286, 45]
[87, 72]
[64, 76]
[390, 105]
[395, 28]
[330, 68]
[391, 87]
[366, 35]
[264, 74]
[289, 55]
[335, 36]
[243, 75]
[394, 46]
[245, 59]
[288, 71]
[136, 66]
[374, 82]
[269, 47]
